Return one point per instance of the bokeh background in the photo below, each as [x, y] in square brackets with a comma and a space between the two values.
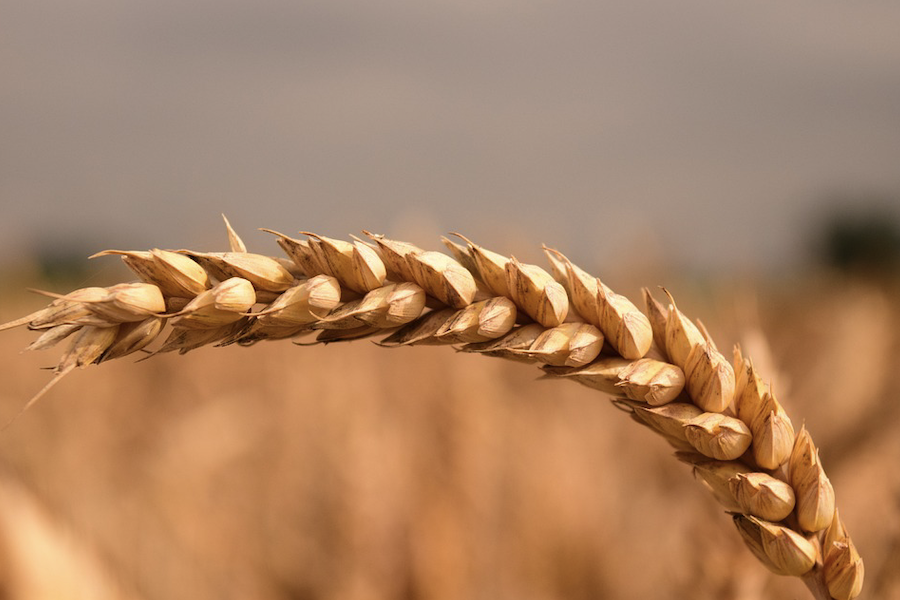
[743, 155]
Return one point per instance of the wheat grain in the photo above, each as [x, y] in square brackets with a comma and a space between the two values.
[661, 367]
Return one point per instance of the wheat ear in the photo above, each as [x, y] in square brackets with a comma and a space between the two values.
[659, 366]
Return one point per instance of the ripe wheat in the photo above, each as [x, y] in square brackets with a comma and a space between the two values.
[659, 366]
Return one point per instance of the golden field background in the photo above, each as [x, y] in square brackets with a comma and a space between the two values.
[355, 472]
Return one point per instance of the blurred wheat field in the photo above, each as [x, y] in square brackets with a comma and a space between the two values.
[355, 472]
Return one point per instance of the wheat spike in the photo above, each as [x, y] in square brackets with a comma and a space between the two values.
[659, 366]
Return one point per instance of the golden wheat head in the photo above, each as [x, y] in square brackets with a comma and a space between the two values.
[658, 365]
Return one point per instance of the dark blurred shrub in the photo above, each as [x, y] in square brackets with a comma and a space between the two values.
[861, 238]
[65, 266]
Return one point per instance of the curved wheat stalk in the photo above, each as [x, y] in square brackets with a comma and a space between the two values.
[658, 365]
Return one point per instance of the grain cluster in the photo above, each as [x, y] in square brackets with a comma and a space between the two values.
[664, 369]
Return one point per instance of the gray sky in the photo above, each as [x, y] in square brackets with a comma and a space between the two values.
[704, 132]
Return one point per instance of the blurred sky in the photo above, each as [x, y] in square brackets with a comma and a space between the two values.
[707, 133]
